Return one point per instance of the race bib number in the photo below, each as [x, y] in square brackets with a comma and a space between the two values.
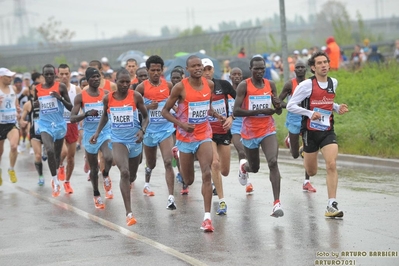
[67, 115]
[8, 115]
[96, 106]
[35, 126]
[155, 114]
[122, 117]
[220, 108]
[257, 102]
[231, 105]
[48, 104]
[323, 123]
[198, 112]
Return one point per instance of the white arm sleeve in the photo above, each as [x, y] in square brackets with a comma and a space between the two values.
[302, 91]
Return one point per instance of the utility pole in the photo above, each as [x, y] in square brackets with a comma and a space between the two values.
[284, 46]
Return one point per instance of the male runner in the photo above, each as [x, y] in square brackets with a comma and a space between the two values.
[316, 96]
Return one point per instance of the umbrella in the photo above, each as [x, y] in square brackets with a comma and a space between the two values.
[137, 55]
[181, 61]
[178, 54]
[243, 64]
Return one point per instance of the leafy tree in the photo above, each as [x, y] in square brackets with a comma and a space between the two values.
[54, 36]
[225, 46]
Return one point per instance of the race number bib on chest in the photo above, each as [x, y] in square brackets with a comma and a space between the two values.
[258, 102]
[48, 104]
[155, 115]
[220, 108]
[122, 117]
[323, 123]
[198, 112]
[96, 106]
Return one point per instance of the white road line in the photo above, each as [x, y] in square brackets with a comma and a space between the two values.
[117, 228]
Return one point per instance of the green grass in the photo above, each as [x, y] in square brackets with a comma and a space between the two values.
[371, 127]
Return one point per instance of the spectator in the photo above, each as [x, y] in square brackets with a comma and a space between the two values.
[241, 53]
[334, 53]
[305, 56]
[356, 58]
[226, 70]
[269, 65]
[105, 65]
[375, 56]
[396, 52]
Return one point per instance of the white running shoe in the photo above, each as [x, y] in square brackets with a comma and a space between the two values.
[242, 174]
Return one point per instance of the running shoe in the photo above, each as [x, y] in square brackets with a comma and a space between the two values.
[222, 210]
[175, 152]
[56, 189]
[13, 176]
[301, 151]
[215, 193]
[308, 187]
[61, 173]
[31, 152]
[41, 181]
[44, 154]
[249, 188]
[171, 204]
[206, 226]
[109, 194]
[179, 178]
[86, 166]
[332, 211]
[1, 179]
[99, 203]
[130, 220]
[21, 148]
[184, 190]
[242, 174]
[148, 192]
[77, 147]
[277, 210]
[107, 183]
[68, 188]
[287, 142]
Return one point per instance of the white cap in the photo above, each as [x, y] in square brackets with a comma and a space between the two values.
[110, 71]
[296, 52]
[6, 72]
[74, 74]
[323, 48]
[277, 58]
[207, 62]
[104, 60]
[305, 51]
[202, 51]
[26, 75]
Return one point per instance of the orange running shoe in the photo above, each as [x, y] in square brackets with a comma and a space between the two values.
[98, 203]
[184, 190]
[148, 192]
[56, 189]
[68, 188]
[61, 173]
[107, 183]
[249, 188]
[130, 220]
[109, 194]
[308, 187]
[207, 226]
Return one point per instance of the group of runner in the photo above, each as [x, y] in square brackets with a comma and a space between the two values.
[190, 118]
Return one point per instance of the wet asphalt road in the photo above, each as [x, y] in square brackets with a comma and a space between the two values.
[36, 229]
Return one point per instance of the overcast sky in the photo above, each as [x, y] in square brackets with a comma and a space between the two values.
[97, 19]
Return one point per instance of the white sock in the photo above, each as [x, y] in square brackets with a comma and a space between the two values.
[248, 182]
[207, 216]
[147, 184]
[55, 179]
[306, 181]
[330, 201]
[11, 168]
[222, 200]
